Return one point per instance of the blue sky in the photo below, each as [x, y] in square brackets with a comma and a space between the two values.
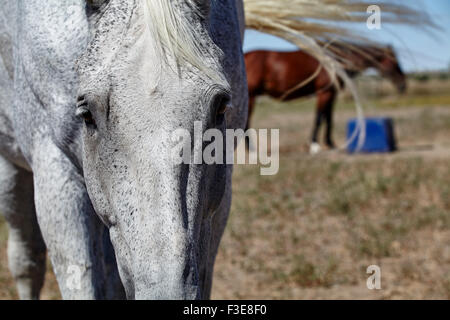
[419, 50]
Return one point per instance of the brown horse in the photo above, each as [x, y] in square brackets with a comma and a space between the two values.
[291, 75]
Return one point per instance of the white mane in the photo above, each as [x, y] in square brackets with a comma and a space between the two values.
[175, 34]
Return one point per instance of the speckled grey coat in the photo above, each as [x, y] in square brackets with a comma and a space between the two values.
[62, 181]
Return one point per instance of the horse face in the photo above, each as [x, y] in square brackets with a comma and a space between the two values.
[134, 93]
[391, 68]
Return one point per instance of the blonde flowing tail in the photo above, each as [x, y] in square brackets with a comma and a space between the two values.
[313, 24]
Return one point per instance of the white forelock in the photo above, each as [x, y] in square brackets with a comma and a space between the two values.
[175, 34]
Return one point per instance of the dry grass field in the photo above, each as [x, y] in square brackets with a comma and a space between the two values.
[311, 231]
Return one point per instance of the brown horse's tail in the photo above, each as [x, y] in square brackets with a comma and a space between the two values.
[306, 23]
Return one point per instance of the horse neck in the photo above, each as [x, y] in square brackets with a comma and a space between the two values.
[362, 58]
[373, 57]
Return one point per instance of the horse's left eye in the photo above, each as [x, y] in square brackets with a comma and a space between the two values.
[222, 104]
[223, 107]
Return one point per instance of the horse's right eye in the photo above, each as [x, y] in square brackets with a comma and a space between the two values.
[86, 115]
[83, 111]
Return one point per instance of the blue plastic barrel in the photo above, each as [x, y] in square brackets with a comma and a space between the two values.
[380, 136]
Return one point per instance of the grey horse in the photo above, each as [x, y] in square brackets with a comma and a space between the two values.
[86, 88]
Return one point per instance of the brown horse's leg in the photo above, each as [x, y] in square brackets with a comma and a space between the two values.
[328, 113]
[317, 123]
[322, 98]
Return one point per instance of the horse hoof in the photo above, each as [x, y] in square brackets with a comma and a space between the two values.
[314, 148]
